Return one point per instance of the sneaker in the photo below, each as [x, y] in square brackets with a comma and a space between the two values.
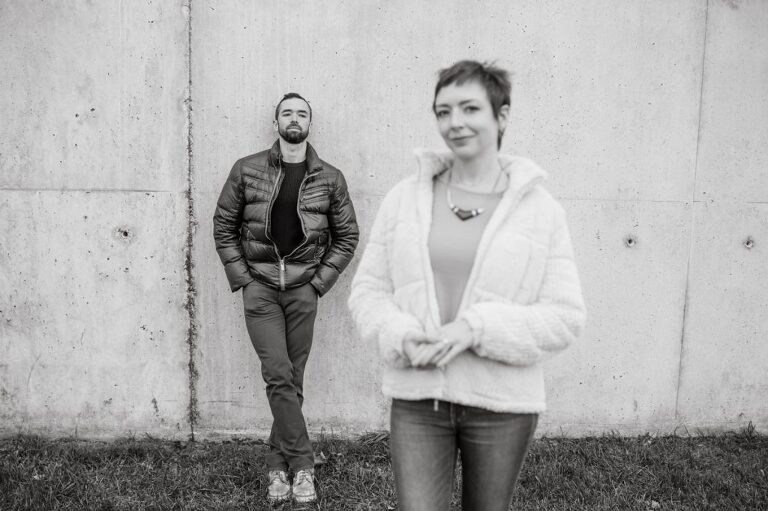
[304, 486]
[279, 489]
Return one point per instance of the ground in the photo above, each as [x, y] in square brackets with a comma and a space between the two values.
[723, 472]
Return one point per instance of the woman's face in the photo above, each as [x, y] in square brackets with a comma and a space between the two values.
[466, 121]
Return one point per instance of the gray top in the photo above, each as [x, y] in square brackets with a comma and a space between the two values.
[453, 242]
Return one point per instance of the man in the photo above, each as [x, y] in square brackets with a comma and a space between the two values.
[285, 229]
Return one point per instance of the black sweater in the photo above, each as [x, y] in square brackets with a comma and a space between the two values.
[285, 223]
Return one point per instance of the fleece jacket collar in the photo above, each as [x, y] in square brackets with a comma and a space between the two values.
[522, 172]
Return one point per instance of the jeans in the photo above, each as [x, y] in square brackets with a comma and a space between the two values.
[280, 325]
[424, 444]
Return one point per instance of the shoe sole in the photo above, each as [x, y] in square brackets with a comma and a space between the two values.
[278, 500]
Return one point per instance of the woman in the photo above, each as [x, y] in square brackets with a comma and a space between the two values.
[467, 283]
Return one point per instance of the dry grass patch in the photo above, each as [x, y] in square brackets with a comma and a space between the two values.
[727, 471]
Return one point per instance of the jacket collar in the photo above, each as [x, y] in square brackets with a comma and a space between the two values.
[314, 163]
[521, 171]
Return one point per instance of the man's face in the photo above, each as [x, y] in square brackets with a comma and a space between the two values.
[293, 121]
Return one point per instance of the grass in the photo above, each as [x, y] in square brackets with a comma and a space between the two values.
[723, 472]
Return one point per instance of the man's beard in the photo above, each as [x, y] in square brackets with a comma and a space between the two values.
[293, 136]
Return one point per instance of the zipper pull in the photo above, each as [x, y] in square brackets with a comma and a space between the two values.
[282, 274]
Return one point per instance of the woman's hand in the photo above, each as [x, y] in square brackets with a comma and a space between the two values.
[456, 337]
[422, 350]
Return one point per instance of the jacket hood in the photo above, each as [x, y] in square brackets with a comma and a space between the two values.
[522, 171]
[313, 160]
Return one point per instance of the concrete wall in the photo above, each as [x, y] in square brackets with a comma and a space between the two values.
[115, 315]
[93, 218]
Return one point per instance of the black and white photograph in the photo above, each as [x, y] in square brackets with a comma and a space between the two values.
[366, 255]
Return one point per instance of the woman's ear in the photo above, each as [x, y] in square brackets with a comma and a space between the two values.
[503, 117]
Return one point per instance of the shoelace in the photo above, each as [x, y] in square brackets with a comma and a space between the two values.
[278, 476]
[303, 475]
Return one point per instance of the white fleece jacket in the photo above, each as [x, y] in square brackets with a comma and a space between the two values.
[522, 300]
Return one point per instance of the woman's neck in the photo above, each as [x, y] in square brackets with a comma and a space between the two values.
[478, 171]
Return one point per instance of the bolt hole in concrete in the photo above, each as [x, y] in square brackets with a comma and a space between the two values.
[749, 242]
[123, 234]
[630, 241]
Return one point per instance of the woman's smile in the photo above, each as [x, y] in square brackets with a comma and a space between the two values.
[466, 120]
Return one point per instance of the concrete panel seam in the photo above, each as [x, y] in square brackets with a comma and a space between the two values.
[189, 265]
[86, 190]
[611, 199]
[693, 216]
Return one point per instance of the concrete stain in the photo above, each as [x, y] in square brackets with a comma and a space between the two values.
[189, 265]
[32, 369]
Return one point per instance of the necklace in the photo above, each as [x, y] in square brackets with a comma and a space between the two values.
[464, 214]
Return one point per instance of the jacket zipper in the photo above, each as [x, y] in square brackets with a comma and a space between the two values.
[271, 205]
[282, 274]
[281, 259]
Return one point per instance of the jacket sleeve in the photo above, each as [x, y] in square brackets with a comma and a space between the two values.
[227, 221]
[518, 334]
[344, 237]
[374, 311]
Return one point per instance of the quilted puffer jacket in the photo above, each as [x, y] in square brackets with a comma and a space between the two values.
[242, 231]
[522, 301]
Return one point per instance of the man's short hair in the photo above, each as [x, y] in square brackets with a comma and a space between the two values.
[494, 80]
[292, 95]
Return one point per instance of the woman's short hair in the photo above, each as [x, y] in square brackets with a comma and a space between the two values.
[494, 80]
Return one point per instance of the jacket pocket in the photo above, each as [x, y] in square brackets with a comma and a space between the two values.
[321, 246]
[314, 195]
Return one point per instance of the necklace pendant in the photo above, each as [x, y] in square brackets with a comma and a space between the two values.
[466, 214]
[463, 214]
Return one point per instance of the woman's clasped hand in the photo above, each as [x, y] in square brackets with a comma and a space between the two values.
[437, 350]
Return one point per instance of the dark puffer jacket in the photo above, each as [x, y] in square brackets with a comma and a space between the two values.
[242, 231]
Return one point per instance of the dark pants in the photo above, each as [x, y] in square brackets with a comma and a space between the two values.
[280, 324]
[424, 444]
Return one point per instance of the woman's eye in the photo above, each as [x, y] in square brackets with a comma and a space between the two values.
[471, 109]
[441, 113]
